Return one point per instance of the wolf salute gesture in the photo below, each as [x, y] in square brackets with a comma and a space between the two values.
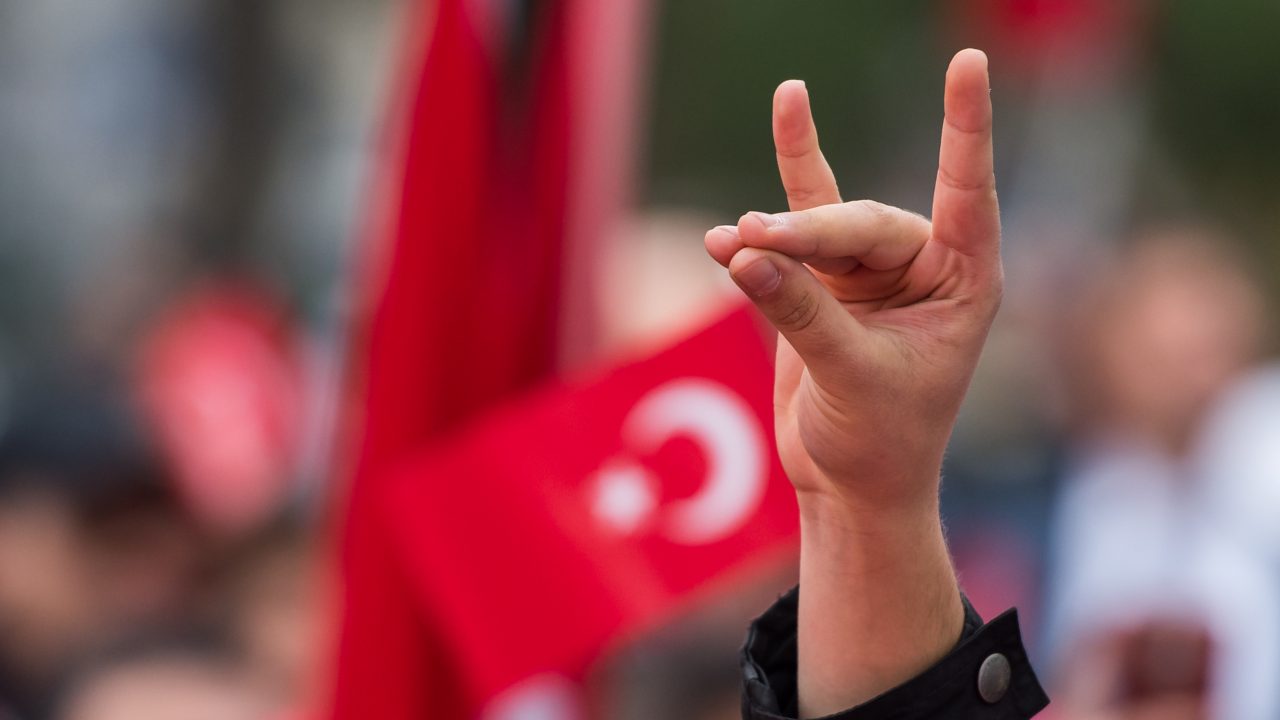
[882, 316]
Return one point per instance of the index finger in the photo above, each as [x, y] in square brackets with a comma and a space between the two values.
[966, 214]
[806, 176]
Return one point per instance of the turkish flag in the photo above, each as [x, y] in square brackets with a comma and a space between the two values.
[463, 295]
[572, 521]
[485, 575]
[460, 293]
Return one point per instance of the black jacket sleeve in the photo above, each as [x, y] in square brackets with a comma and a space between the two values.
[986, 676]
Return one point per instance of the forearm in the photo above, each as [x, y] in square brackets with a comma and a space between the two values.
[879, 602]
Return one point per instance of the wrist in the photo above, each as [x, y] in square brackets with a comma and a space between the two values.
[879, 577]
[871, 498]
[876, 541]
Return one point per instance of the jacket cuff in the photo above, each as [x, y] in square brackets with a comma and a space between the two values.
[986, 675]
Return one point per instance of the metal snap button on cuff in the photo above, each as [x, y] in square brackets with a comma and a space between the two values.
[993, 677]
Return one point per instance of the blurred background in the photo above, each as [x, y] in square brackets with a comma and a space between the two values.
[257, 258]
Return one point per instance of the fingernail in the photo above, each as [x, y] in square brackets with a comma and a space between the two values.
[731, 229]
[759, 278]
[766, 219]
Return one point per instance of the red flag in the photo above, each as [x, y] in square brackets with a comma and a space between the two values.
[466, 302]
[579, 518]
[463, 298]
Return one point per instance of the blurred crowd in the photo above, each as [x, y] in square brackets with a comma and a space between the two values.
[182, 191]
[180, 181]
[121, 600]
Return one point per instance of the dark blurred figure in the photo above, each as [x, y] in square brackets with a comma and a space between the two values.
[687, 669]
[275, 616]
[92, 543]
[99, 556]
[251, 658]
[163, 681]
[1157, 607]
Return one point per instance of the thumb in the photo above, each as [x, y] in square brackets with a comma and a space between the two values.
[799, 306]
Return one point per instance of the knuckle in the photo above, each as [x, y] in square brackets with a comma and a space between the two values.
[794, 152]
[800, 315]
[801, 194]
[982, 182]
[880, 217]
[877, 210]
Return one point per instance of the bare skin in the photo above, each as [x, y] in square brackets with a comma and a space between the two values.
[882, 315]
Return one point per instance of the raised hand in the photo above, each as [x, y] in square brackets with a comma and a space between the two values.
[882, 330]
[882, 316]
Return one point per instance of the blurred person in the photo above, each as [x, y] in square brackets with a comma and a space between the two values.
[149, 564]
[92, 545]
[1238, 455]
[161, 681]
[274, 627]
[46, 608]
[1158, 335]
[679, 671]
[218, 376]
[98, 555]
[1158, 608]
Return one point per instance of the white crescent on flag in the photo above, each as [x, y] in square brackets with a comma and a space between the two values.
[625, 493]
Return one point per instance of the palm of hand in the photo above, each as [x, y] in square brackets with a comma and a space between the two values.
[902, 384]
